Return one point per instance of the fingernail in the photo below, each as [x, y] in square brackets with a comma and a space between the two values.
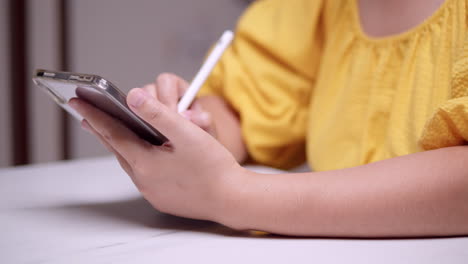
[85, 125]
[166, 81]
[72, 103]
[187, 114]
[204, 116]
[136, 98]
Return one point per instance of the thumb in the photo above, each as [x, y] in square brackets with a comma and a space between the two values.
[168, 122]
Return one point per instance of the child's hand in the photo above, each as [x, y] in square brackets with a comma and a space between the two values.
[168, 89]
[191, 176]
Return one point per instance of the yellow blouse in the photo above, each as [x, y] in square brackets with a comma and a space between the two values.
[306, 81]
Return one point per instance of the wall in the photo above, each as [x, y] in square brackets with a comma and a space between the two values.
[5, 157]
[127, 42]
[130, 42]
[44, 114]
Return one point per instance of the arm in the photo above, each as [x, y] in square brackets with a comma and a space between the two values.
[423, 194]
[226, 124]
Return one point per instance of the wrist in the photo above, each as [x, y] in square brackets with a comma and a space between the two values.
[232, 198]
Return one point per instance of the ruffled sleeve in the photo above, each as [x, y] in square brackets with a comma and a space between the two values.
[267, 76]
[449, 124]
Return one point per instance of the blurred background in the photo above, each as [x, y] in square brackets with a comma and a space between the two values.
[126, 42]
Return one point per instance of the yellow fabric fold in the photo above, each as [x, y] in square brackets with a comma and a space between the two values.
[448, 126]
[267, 76]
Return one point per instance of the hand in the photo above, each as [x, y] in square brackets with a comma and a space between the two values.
[191, 176]
[168, 89]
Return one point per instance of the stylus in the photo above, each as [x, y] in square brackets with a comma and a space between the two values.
[205, 71]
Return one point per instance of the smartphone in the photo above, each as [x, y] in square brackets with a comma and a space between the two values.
[97, 91]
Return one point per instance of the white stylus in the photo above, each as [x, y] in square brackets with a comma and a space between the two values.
[205, 71]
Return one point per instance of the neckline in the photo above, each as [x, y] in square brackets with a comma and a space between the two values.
[357, 25]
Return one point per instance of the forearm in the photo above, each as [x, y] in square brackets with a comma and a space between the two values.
[227, 125]
[423, 194]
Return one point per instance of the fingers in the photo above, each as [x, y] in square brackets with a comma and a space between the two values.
[201, 118]
[151, 89]
[169, 89]
[123, 163]
[119, 137]
[182, 86]
[168, 122]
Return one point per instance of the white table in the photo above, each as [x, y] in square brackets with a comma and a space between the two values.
[88, 211]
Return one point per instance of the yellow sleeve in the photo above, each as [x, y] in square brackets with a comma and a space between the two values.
[449, 124]
[267, 77]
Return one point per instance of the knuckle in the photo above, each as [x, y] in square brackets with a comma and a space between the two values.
[140, 166]
[143, 164]
[108, 136]
[134, 163]
[141, 171]
[204, 120]
[208, 117]
[155, 114]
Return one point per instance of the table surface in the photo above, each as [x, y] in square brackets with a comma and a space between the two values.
[88, 211]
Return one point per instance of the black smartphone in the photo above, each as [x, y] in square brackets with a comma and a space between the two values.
[62, 86]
